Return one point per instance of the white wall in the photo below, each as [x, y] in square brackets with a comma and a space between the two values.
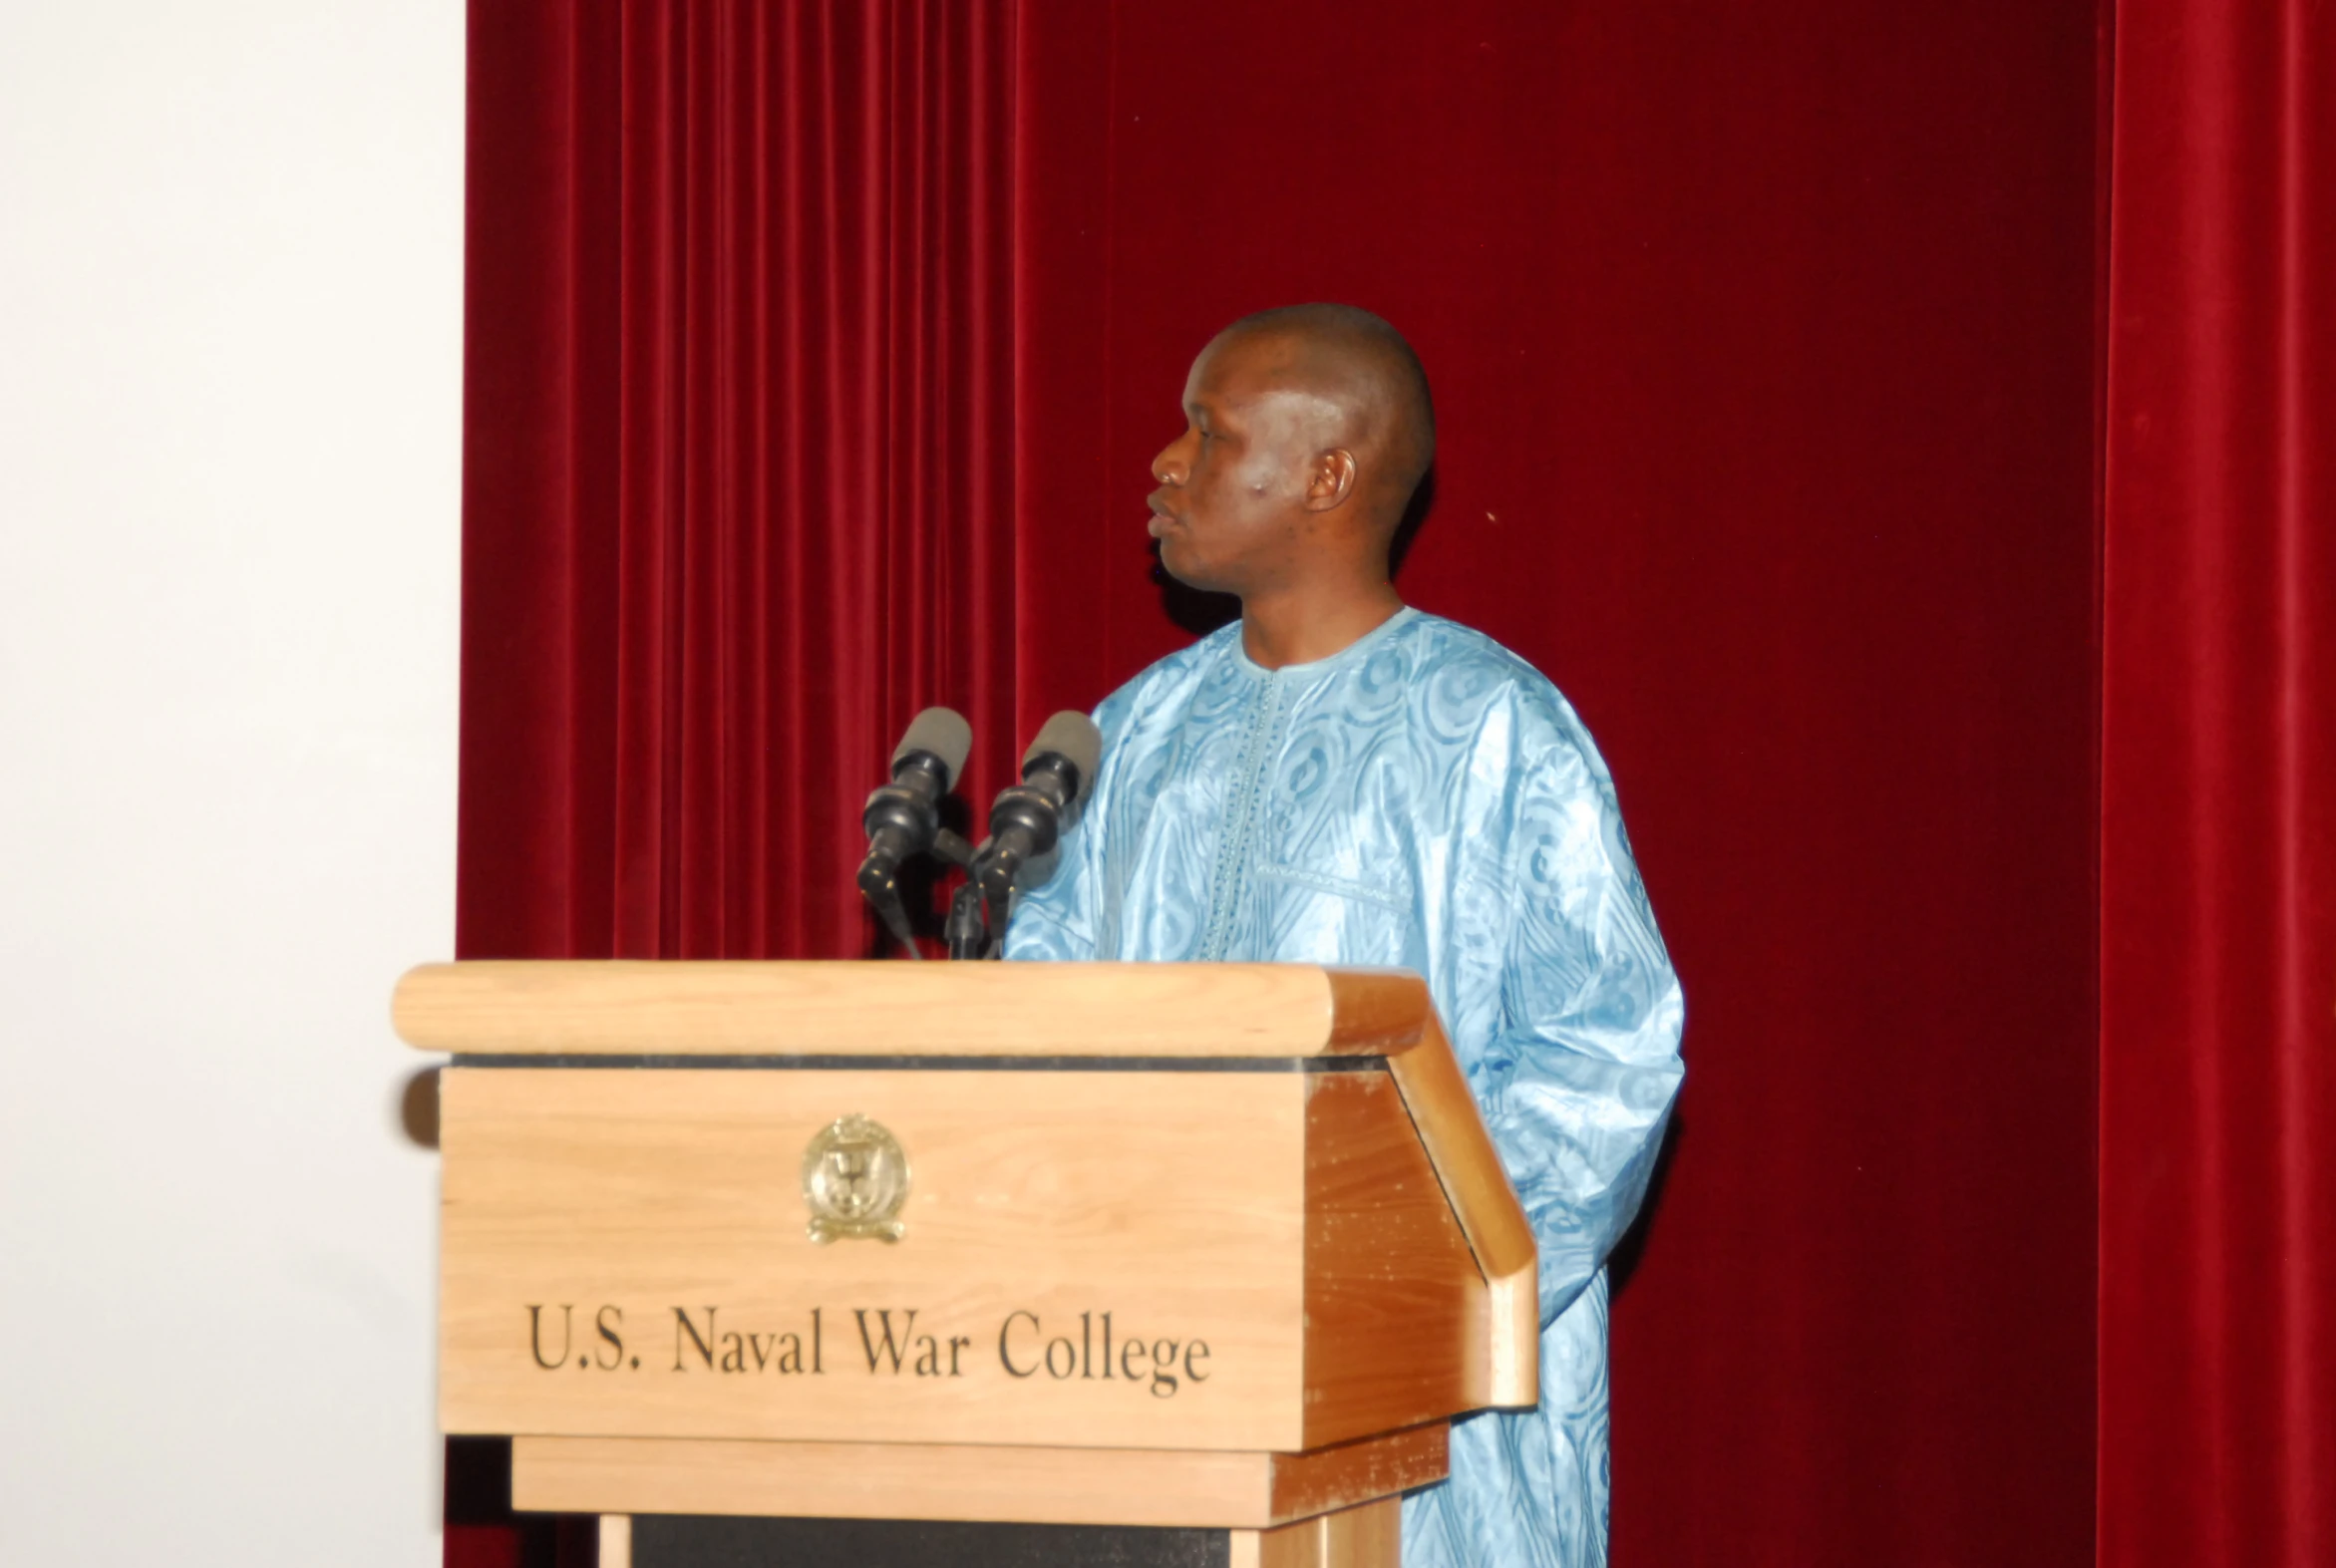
[231, 259]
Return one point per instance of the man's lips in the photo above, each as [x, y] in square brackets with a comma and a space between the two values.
[1163, 519]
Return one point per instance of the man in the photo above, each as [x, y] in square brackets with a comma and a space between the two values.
[1340, 779]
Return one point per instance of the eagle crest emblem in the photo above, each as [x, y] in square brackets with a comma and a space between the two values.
[855, 1178]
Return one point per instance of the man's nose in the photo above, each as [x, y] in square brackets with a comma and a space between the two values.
[1168, 467]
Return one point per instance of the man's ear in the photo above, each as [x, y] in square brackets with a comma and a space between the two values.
[1330, 480]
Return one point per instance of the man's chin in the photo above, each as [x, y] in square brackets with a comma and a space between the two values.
[1175, 562]
[1187, 572]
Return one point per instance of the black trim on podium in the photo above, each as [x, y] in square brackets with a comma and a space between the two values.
[699, 1541]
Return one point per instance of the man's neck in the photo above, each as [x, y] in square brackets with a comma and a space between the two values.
[1299, 628]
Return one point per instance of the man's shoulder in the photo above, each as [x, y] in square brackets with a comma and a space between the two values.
[1466, 658]
[1439, 645]
[1466, 678]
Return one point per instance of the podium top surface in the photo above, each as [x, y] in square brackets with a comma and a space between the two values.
[891, 1009]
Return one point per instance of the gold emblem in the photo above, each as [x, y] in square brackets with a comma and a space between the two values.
[854, 1178]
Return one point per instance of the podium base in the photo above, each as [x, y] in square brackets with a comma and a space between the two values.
[1368, 1536]
[711, 1541]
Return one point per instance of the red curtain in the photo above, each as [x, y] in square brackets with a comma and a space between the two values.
[2219, 820]
[815, 354]
[738, 455]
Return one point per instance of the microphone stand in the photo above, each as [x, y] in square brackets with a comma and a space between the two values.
[977, 923]
[964, 932]
[997, 909]
[967, 933]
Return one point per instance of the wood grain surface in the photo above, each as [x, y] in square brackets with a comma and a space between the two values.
[668, 1205]
[1394, 1304]
[1366, 1537]
[878, 1008]
[991, 1483]
[1452, 1133]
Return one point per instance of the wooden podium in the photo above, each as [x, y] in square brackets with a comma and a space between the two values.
[1211, 1251]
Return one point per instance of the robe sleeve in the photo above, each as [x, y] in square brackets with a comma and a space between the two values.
[1056, 921]
[1578, 1077]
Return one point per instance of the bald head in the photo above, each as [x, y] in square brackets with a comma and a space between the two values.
[1306, 432]
[1368, 382]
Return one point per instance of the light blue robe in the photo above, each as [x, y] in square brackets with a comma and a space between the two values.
[1426, 800]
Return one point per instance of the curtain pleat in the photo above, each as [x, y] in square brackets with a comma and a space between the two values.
[2219, 823]
[756, 512]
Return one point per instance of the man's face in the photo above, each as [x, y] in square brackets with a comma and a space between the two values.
[1230, 513]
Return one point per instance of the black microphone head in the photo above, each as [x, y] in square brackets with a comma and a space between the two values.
[939, 733]
[1072, 736]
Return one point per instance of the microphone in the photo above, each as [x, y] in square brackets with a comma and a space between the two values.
[903, 817]
[1058, 774]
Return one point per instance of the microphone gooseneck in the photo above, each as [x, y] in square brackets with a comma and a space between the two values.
[903, 818]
